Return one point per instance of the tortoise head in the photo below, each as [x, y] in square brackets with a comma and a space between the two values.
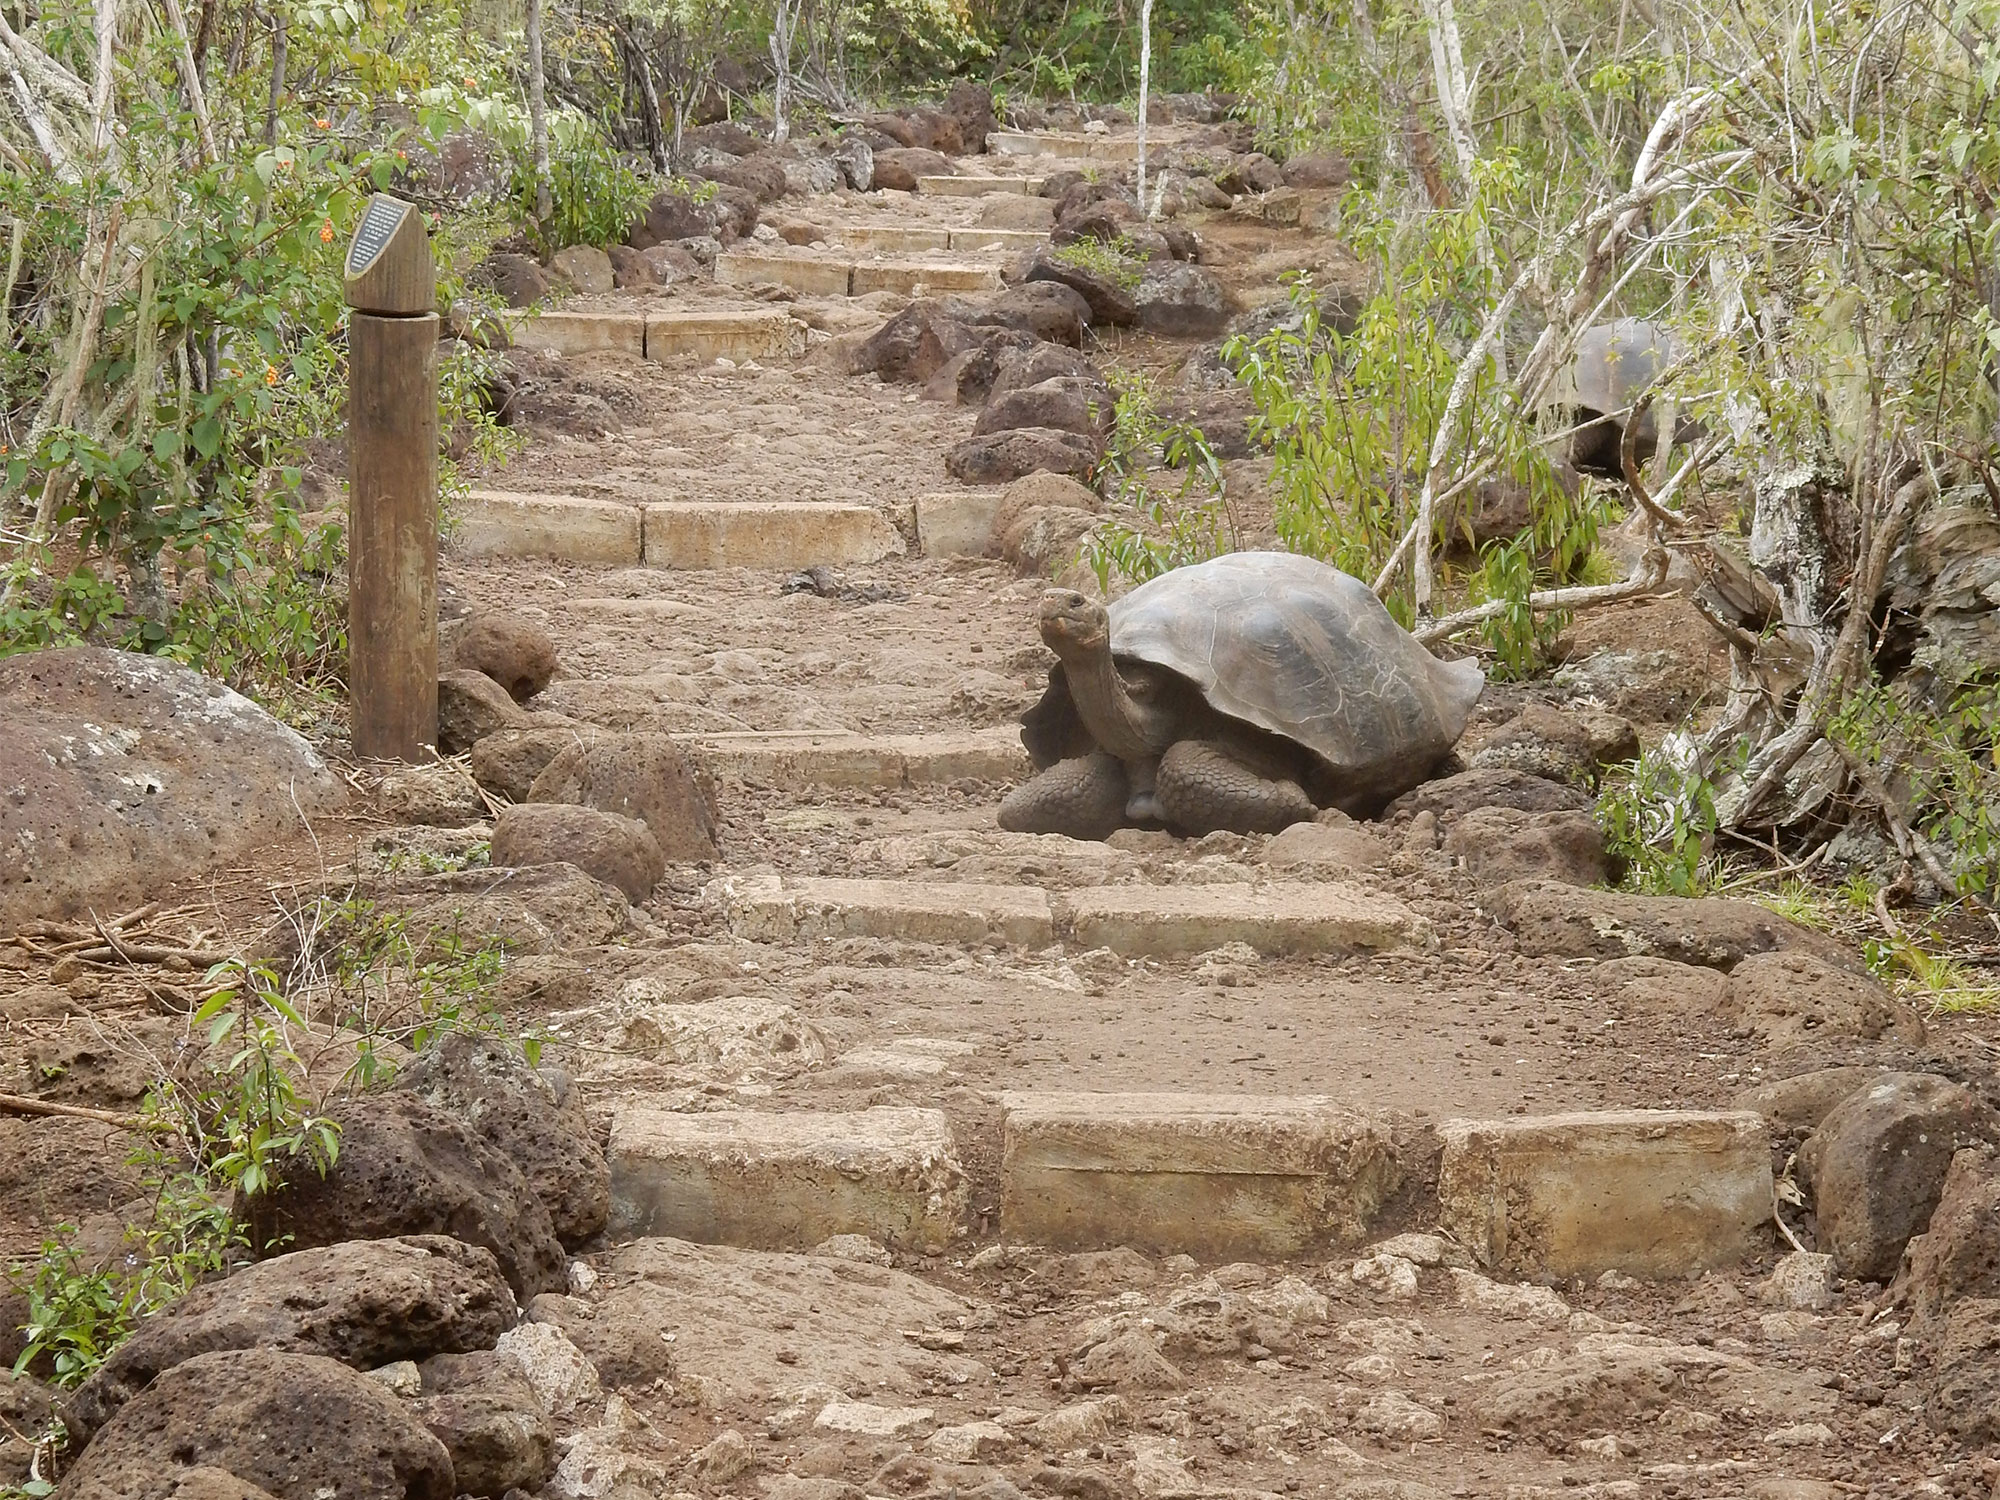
[1072, 622]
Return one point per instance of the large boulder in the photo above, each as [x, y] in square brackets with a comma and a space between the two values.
[689, 210]
[472, 706]
[916, 342]
[1953, 1291]
[506, 763]
[515, 651]
[1877, 1165]
[1047, 309]
[856, 160]
[120, 773]
[1109, 300]
[532, 1115]
[756, 175]
[1064, 405]
[1797, 997]
[970, 106]
[1182, 301]
[1563, 745]
[617, 850]
[1553, 920]
[999, 457]
[585, 267]
[900, 167]
[1017, 369]
[406, 1167]
[637, 775]
[365, 1303]
[1499, 844]
[291, 1426]
[483, 1409]
[1452, 797]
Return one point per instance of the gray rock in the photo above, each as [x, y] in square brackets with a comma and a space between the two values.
[1552, 920]
[584, 267]
[1563, 745]
[1048, 309]
[1499, 844]
[1183, 302]
[1111, 304]
[1794, 997]
[617, 850]
[366, 1303]
[637, 775]
[1002, 456]
[533, 1115]
[1060, 404]
[856, 160]
[119, 770]
[514, 279]
[1800, 1102]
[408, 1168]
[1877, 1165]
[1452, 797]
[491, 1422]
[293, 1426]
[26, 1409]
[471, 706]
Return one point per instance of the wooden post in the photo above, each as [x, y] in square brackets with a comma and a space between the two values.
[392, 490]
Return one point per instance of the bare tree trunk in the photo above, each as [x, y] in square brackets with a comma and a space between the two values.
[538, 114]
[279, 54]
[1145, 80]
[784, 25]
[1448, 64]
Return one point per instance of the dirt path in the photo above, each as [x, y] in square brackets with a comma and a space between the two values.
[1278, 1379]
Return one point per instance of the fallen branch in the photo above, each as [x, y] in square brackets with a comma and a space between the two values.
[1640, 584]
[19, 1105]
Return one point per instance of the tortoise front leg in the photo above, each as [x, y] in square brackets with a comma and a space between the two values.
[1081, 798]
[1204, 788]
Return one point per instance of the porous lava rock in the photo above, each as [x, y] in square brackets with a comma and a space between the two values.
[365, 1303]
[637, 775]
[533, 1115]
[292, 1426]
[514, 650]
[407, 1167]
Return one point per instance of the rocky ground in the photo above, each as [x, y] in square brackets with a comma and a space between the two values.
[777, 974]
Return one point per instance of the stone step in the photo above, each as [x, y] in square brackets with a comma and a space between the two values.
[879, 761]
[912, 278]
[1168, 921]
[777, 534]
[774, 1181]
[976, 187]
[813, 275]
[1077, 145]
[766, 334]
[894, 239]
[571, 333]
[1218, 1177]
[766, 908]
[998, 239]
[1657, 1193]
[493, 523]
[957, 523]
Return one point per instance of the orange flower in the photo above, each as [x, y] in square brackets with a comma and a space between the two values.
[270, 374]
[326, 233]
[402, 156]
[321, 123]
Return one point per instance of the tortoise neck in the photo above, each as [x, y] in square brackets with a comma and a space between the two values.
[1106, 708]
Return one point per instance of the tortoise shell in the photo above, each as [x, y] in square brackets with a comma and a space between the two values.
[1301, 651]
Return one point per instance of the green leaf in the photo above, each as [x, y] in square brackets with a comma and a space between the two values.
[207, 436]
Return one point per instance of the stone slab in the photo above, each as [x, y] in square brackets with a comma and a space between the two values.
[1278, 919]
[881, 761]
[802, 273]
[763, 334]
[1077, 145]
[1219, 1177]
[895, 239]
[957, 523]
[916, 278]
[766, 909]
[976, 187]
[1654, 1193]
[997, 239]
[776, 534]
[492, 523]
[773, 1181]
[567, 333]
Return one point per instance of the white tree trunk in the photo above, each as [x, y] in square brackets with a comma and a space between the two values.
[1448, 64]
[1145, 80]
[784, 22]
[538, 114]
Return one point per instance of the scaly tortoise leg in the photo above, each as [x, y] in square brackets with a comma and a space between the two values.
[1203, 788]
[1082, 798]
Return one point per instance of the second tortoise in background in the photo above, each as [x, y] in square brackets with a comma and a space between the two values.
[1244, 693]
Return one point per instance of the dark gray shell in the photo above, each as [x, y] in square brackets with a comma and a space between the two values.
[1302, 651]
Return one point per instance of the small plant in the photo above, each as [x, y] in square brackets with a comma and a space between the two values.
[1660, 819]
[596, 192]
[1157, 532]
[1115, 260]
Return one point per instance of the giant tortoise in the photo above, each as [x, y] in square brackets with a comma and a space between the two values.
[1244, 693]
